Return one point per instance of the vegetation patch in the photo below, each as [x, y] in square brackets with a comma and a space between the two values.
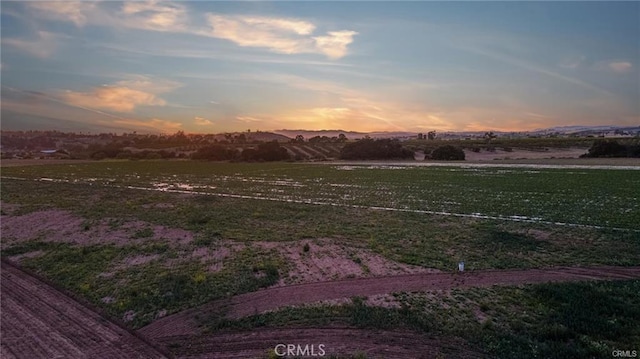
[568, 320]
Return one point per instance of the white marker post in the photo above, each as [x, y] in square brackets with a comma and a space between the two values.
[461, 266]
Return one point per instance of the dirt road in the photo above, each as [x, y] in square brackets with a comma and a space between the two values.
[185, 323]
[335, 341]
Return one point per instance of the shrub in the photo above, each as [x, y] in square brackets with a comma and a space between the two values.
[214, 153]
[611, 148]
[380, 149]
[268, 151]
[448, 153]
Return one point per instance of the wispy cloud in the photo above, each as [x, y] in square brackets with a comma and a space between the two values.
[123, 96]
[73, 11]
[152, 124]
[119, 99]
[155, 16]
[573, 62]
[535, 68]
[201, 121]
[620, 66]
[42, 104]
[277, 34]
[281, 35]
[248, 119]
[43, 46]
[335, 43]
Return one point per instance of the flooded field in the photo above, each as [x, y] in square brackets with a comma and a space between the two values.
[568, 195]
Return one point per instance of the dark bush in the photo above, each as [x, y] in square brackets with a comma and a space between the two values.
[214, 153]
[611, 148]
[448, 153]
[380, 149]
[268, 151]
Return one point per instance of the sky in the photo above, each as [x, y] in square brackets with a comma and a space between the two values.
[214, 66]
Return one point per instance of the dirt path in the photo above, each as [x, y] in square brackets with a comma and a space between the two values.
[39, 321]
[185, 323]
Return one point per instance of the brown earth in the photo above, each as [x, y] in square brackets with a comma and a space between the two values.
[60, 226]
[336, 341]
[40, 322]
[327, 260]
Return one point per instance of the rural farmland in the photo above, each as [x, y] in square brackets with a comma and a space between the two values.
[319, 179]
[156, 244]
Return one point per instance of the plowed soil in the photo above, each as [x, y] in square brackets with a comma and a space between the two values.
[39, 321]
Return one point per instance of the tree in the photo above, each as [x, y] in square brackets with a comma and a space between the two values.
[370, 149]
[299, 138]
[431, 135]
[611, 148]
[448, 153]
[241, 138]
[268, 151]
[488, 136]
[214, 153]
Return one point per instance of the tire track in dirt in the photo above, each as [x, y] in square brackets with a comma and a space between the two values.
[185, 323]
[39, 321]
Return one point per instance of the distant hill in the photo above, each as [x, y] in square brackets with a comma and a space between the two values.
[588, 129]
[352, 135]
[256, 136]
[559, 130]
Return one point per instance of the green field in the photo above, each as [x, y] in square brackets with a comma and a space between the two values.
[587, 197]
[491, 217]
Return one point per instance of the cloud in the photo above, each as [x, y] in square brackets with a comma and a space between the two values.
[153, 124]
[156, 16]
[119, 99]
[248, 119]
[573, 62]
[334, 45]
[123, 96]
[43, 46]
[620, 66]
[146, 15]
[73, 11]
[281, 35]
[201, 121]
[532, 67]
[147, 84]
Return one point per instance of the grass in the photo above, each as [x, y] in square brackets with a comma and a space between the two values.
[96, 273]
[98, 193]
[568, 320]
[413, 238]
[575, 196]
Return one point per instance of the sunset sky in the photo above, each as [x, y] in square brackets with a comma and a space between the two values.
[210, 67]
